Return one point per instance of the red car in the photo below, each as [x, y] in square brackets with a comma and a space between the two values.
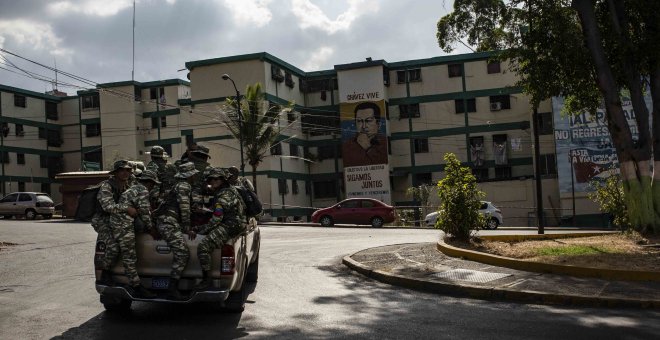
[356, 211]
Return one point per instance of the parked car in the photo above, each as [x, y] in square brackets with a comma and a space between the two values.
[492, 213]
[29, 204]
[356, 211]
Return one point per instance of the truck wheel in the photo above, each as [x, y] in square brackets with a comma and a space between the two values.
[253, 271]
[235, 302]
[116, 305]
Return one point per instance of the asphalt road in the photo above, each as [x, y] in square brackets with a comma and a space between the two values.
[47, 291]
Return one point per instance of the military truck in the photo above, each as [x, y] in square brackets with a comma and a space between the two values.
[233, 266]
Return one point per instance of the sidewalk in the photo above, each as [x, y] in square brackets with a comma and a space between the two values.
[421, 266]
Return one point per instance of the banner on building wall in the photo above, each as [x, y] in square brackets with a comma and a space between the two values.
[368, 181]
[584, 148]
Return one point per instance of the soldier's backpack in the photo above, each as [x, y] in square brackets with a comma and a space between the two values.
[88, 205]
[253, 206]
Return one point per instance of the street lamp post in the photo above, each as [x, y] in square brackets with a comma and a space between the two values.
[240, 120]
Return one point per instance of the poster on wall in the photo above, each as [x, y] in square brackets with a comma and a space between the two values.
[584, 147]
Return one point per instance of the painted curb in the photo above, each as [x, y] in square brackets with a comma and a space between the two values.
[538, 267]
[501, 294]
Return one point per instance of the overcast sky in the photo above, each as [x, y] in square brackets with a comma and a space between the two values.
[93, 38]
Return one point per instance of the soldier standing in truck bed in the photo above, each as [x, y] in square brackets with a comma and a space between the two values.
[165, 172]
[108, 198]
[174, 222]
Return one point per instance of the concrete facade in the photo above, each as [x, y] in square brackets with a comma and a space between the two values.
[424, 121]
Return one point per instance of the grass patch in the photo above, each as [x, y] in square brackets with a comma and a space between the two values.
[572, 250]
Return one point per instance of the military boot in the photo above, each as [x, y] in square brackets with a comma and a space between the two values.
[206, 281]
[173, 290]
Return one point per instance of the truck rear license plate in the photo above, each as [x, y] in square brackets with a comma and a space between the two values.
[160, 283]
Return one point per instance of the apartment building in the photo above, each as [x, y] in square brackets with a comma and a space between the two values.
[465, 104]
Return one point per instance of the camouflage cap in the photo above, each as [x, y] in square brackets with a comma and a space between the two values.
[157, 151]
[121, 164]
[186, 170]
[233, 171]
[201, 150]
[149, 175]
[217, 173]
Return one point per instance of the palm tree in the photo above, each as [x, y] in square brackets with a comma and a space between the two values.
[258, 131]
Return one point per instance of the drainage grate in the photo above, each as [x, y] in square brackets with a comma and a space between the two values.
[470, 275]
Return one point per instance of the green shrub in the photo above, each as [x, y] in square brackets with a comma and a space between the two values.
[610, 197]
[460, 200]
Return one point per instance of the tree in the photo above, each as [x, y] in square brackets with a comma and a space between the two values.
[460, 200]
[587, 51]
[258, 130]
[610, 197]
[421, 194]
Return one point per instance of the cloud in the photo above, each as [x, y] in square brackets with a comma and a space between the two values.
[34, 35]
[90, 7]
[319, 58]
[250, 12]
[312, 16]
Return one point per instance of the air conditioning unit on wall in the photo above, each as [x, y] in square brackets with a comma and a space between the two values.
[496, 106]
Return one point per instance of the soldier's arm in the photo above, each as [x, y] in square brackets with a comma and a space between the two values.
[183, 192]
[144, 207]
[107, 200]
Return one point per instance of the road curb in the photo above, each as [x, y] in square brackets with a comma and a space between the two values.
[501, 294]
[537, 267]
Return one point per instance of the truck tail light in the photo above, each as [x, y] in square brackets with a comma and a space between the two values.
[227, 260]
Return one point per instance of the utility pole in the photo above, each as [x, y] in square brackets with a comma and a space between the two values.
[537, 173]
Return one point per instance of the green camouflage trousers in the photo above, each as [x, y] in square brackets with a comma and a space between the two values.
[171, 232]
[214, 239]
[111, 246]
[124, 235]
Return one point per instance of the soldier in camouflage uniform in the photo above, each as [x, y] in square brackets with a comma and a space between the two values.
[164, 170]
[108, 197]
[124, 227]
[199, 156]
[174, 222]
[228, 221]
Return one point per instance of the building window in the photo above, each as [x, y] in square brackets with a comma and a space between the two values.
[157, 122]
[325, 189]
[545, 123]
[493, 67]
[276, 73]
[137, 93]
[502, 102]
[21, 186]
[19, 130]
[190, 140]
[471, 105]
[93, 130]
[163, 121]
[294, 187]
[42, 133]
[43, 161]
[4, 157]
[500, 149]
[51, 111]
[20, 100]
[92, 156]
[455, 70]
[415, 75]
[5, 129]
[424, 178]
[288, 80]
[54, 138]
[503, 172]
[276, 149]
[293, 150]
[45, 187]
[308, 188]
[548, 164]
[290, 117]
[409, 111]
[90, 101]
[477, 151]
[168, 149]
[326, 152]
[20, 158]
[282, 188]
[421, 145]
[400, 77]
[156, 93]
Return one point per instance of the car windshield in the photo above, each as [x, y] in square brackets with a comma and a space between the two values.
[44, 198]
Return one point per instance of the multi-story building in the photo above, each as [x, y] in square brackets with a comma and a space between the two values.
[465, 104]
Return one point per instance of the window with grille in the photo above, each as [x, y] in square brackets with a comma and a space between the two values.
[20, 100]
[548, 165]
[471, 105]
[480, 174]
[93, 130]
[90, 101]
[293, 150]
[409, 111]
[421, 145]
[282, 188]
[19, 130]
[294, 187]
[493, 67]
[276, 149]
[455, 70]
[415, 75]
[545, 123]
[20, 158]
[502, 102]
